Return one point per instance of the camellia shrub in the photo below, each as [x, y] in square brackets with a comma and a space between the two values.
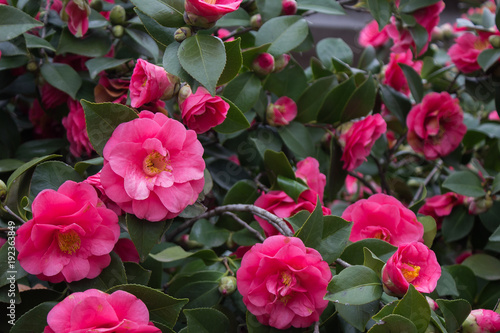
[209, 166]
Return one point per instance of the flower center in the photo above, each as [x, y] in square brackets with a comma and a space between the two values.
[410, 273]
[481, 44]
[155, 163]
[210, 2]
[69, 242]
[382, 235]
[286, 278]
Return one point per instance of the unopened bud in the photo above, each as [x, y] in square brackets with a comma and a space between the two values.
[263, 64]
[32, 66]
[184, 93]
[280, 62]
[173, 87]
[197, 21]
[96, 5]
[182, 33]
[227, 285]
[437, 33]
[326, 141]
[282, 112]
[118, 31]
[494, 41]
[256, 21]
[432, 303]
[288, 7]
[117, 15]
[447, 30]
[480, 205]
[3, 190]
[481, 321]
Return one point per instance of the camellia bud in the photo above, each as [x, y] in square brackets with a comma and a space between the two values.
[3, 190]
[118, 31]
[184, 92]
[182, 33]
[480, 205]
[117, 15]
[282, 112]
[447, 30]
[197, 21]
[227, 285]
[173, 88]
[288, 7]
[96, 5]
[326, 141]
[481, 321]
[256, 21]
[32, 66]
[494, 41]
[432, 303]
[263, 64]
[280, 62]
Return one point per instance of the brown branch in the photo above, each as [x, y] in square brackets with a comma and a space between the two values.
[244, 224]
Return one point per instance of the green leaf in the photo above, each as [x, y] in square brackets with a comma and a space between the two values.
[136, 274]
[176, 253]
[394, 323]
[291, 81]
[291, 187]
[484, 265]
[355, 285]
[311, 231]
[145, 41]
[234, 60]
[167, 13]
[9, 164]
[314, 101]
[488, 58]
[361, 102]
[14, 22]
[354, 253]
[235, 120]
[35, 319]
[414, 82]
[465, 281]
[373, 262]
[420, 36]
[51, 175]
[357, 315]
[26, 166]
[6, 270]
[161, 34]
[96, 43]
[381, 11]
[243, 192]
[284, 33]
[206, 321]
[111, 276]
[102, 119]
[34, 42]
[336, 172]
[446, 285]
[328, 48]
[397, 103]
[97, 65]
[243, 91]
[37, 148]
[201, 294]
[409, 6]
[204, 58]
[430, 229]
[321, 6]
[298, 139]
[208, 234]
[454, 312]
[237, 18]
[163, 308]
[495, 187]
[457, 225]
[336, 101]
[172, 64]
[144, 234]
[62, 77]
[465, 183]
[250, 54]
[414, 307]
[268, 9]
[277, 164]
[334, 238]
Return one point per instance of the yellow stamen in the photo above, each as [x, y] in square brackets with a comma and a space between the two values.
[211, 2]
[411, 275]
[286, 278]
[69, 242]
[155, 163]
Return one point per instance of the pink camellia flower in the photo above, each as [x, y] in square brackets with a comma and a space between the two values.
[394, 75]
[95, 311]
[482, 321]
[370, 35]
[76, 130]
[70, 236]
[355, 189]
[263, 64]
[95, 180]
[435, 126]
[127, 251]
[288, 7]
[52, 97]
[467, 48]
[206, 12]
[281, 112]
[149, 83]
[221, 33]
[440, 206]
[493, 115]
[281, 205]
[201, 111]
[43, 124]
[413, 263]
[153, 167]
[357, 139]
[283, 282]
[280, 62]
[308, 170]
[384, 217]
[78, 17]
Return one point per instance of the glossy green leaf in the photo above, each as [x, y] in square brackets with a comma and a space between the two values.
[243, 192]
[328, 48]
[235, 120]
[14, 22]
[457, 225]
[167, 13]
[414, 307]
[82, 166]
[290, 82]
[373, 262]
[488, 58]
[34, 42]
[250, 54]
[144, 234]
[385, 311]
[284, 33]
[51, 175]
[314, 102]
[465, 281]
[414, 82]
[176, 253]
[161, 34]
[334, 238]
[397, 103]
[102, 119]
[381, 11]
[336, 172]
[465, 183]
[335, 102]
[201, 294]
[97, 65]
[243, 91]
[361, 102]
[409, 6]
[495, 187]
[394, 323]
[237, 18]
[33, 320]
[277, 164]
[62, 77]
[206, 321]
[234, 60]
[321, 6]
[268, 9]
[430, 229]
[146, 43]
[446, 285]
[204, 58]
[354, 253]
[357, 315]
[454, 312]
[420, 36]
[163, 308]
[208, 234]
[26, 166]
[298, 139]
[41, 147]
[311, 231]
[9, 164]
[172, 64]
[96, 43]
[355, 285]
[136, 274]
[484, 265]
[291, 187]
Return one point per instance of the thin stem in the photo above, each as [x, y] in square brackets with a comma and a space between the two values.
[398, 143]
[426, 181]
[237, 33]
[343, 263]
[8, 210]
[364, 181]
[381, 171]
[259, 184]
[244, 224]
[224, 261]
[316, 327]
[276, 221]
